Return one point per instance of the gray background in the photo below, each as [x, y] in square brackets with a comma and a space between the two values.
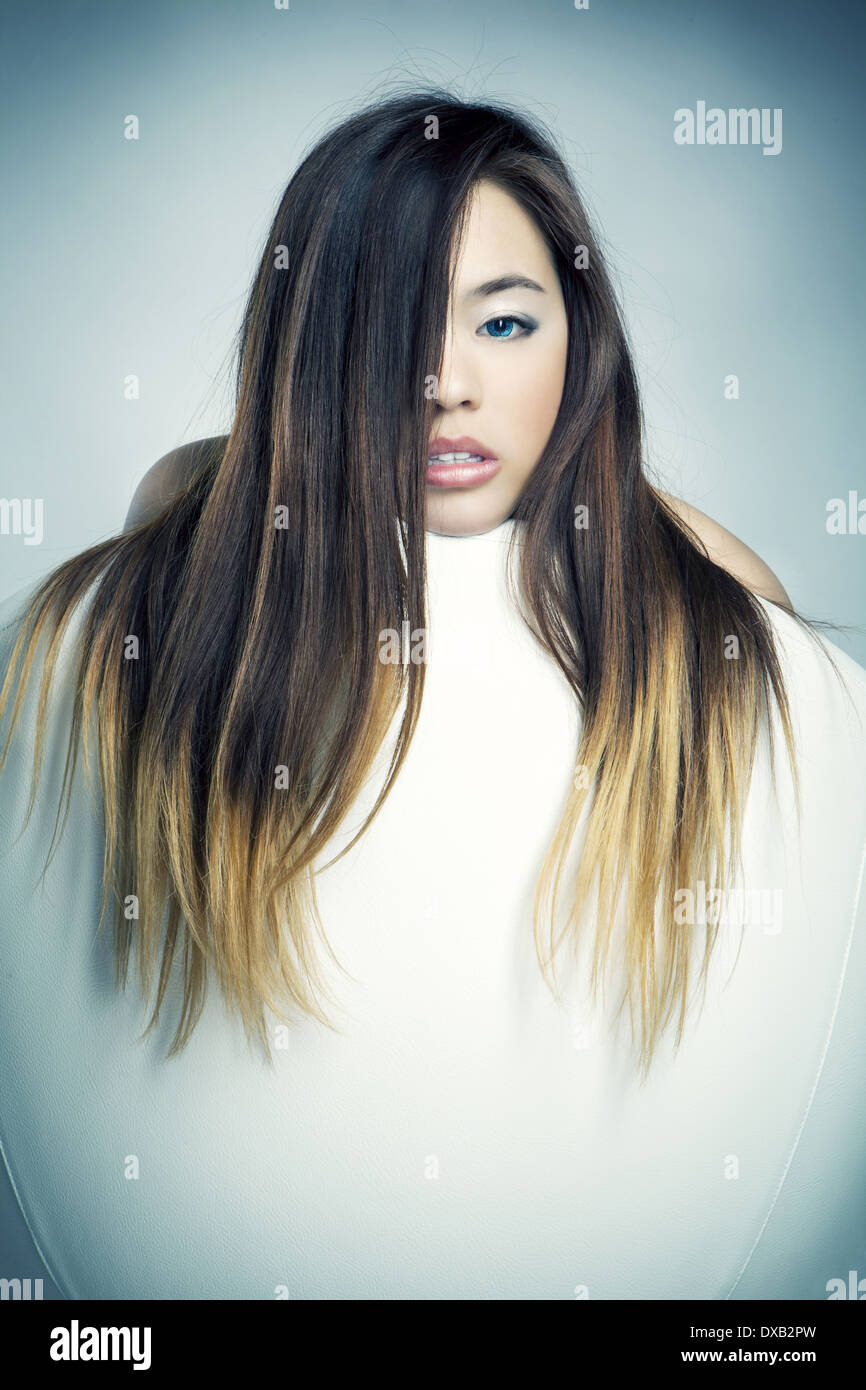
[135, 257]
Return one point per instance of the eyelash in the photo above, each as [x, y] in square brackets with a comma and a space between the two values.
[526, 324]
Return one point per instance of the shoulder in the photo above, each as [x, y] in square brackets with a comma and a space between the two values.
[165, 478]
[727, 551]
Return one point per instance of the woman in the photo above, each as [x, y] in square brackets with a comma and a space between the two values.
[603, 690]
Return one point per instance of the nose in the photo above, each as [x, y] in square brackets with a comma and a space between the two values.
[459, 383]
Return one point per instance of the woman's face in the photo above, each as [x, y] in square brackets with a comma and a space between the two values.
[503, 369]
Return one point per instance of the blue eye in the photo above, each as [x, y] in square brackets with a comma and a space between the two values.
[504, 321]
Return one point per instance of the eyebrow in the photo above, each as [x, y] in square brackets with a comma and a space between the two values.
[504, 282]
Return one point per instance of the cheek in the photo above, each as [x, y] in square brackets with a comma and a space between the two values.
[531, 396]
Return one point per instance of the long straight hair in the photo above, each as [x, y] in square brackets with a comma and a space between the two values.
[232, 748]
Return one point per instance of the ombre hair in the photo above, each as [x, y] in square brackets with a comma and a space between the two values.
[231, 750]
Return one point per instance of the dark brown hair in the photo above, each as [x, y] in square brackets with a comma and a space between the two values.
[233, 746]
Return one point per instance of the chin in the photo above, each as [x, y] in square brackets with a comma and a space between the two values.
[465, 515]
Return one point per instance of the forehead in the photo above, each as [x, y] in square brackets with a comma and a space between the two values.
[499, 237]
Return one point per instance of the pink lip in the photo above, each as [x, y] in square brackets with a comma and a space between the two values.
[460, 474]
[463, 444]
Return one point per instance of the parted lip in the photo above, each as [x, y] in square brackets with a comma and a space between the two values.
[464, 443]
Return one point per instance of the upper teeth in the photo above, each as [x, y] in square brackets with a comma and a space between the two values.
[455, 458]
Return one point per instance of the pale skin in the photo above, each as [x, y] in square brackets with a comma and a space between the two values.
[502, 390]
[501, 383]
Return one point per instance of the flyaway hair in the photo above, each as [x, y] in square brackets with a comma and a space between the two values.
[231, 748]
